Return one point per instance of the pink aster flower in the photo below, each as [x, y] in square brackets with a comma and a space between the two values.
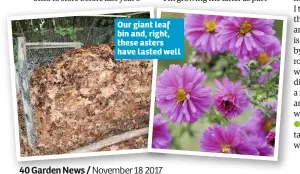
[161, 137]
[230, 99]
[261, 145]
[259, 124]
[231, 140]
[181, 95]
[244, 37]
[201, 32]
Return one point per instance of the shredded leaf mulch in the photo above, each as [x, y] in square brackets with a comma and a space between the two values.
[84, 96]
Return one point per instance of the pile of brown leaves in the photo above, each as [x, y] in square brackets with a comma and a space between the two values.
[85, 96]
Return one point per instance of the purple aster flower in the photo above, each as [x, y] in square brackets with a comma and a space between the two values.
[243, 66]
[259, 124]
[245, 37]
[272, 106]
[273, 49]
[201, 32]
[180, 93]
[270, 51]
[161, 137]
[263, 78]
[226, 140]
[261, 145]
[230, 99]
[271, 138]
[276, 65]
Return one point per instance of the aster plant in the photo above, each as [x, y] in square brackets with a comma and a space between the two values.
[245, 37]
[230, 99]
[161, 136]
[230, 139]
[181, 95]
[226, 97]
[201, 32]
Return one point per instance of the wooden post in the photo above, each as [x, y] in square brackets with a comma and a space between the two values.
[21, 52]
[24, 85]
[77, 45]
[24, 78]
[53, 45]
[17, 83]
[112, 140]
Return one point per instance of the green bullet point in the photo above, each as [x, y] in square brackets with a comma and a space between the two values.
[296, 123]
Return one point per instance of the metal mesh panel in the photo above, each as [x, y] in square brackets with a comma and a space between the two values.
[41, 56]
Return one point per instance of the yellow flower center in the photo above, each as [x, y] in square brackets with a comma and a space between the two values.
[210, 26]
[226, 148]
[245, 28]
[263, 58]
[267, 125]
[180, 95]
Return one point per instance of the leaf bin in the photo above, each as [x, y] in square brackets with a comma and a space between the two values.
[84, 96]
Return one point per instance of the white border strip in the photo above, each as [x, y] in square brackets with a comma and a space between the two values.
[13, 82]
[284, 32]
